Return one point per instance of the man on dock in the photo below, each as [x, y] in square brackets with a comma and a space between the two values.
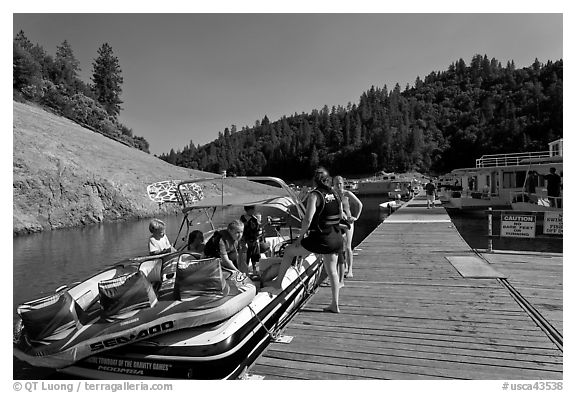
[430, 193]
[553, 187]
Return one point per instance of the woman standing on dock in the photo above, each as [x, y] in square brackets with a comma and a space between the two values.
[320, 224]
[347, 197]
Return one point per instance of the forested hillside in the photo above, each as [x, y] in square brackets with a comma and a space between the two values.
[442, 122]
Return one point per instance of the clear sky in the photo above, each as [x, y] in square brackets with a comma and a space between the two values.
[188, 76]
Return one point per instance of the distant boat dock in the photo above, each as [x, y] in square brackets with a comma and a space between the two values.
[424, 305]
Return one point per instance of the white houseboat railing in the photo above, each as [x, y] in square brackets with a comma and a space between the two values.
[497, 160]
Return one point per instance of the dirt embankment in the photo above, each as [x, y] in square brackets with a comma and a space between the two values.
[65, 175]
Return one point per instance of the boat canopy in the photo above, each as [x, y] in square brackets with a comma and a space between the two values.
[238, 191]
[278, 202]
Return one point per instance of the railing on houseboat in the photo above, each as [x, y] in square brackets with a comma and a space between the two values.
[497, 160]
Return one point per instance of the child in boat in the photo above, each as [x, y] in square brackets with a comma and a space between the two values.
[159, 243]
[252, 235]
[196, 242]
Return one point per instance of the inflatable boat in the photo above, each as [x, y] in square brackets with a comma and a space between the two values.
[224, 346]
[132, 301]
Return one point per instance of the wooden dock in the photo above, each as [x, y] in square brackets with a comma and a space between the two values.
[537, 277]
[409, 313]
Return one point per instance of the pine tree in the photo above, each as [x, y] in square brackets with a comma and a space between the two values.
[66, 64]
[26, 70]
[107, 80]
[23, 41]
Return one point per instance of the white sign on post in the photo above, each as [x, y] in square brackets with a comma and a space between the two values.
[553, 223]
[518, 225]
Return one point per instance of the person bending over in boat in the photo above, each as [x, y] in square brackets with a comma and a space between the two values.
[349, 202]
[224, 245]
[159, 243]
[323, 213]
[196, 243]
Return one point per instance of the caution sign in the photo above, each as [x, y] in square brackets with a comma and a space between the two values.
[553, 223]
[517, 225]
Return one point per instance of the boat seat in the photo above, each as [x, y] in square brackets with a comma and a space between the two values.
[50, 318]
[168, 278]
[122, 296]
[87, 296]
[152, 270]
[199, 278]
[87, 305]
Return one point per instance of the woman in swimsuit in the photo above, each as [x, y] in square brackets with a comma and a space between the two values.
[319, 234]
[349, 202]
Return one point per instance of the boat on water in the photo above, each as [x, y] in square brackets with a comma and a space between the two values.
[391, 206]
[446, 185]
[499, 181]
[351, 185]
[202, 343]
[389, 185]
[131, 301]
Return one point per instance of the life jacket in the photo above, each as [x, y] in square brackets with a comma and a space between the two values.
[329, 213]
[212, 247]
[252, 230]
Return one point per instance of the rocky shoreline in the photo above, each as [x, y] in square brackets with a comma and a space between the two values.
[66, 176]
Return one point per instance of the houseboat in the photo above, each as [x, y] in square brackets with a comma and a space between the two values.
[499, 180]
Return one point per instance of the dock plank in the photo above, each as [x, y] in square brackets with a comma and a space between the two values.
[409, 314]
[539, 279]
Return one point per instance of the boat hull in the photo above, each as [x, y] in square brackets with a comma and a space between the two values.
[527, 206]
[98, 334]
[471, 204]
[220, 351]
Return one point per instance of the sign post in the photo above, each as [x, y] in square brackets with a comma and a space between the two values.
[489, 229]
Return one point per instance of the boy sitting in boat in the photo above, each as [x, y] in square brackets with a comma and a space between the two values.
[159, 243]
